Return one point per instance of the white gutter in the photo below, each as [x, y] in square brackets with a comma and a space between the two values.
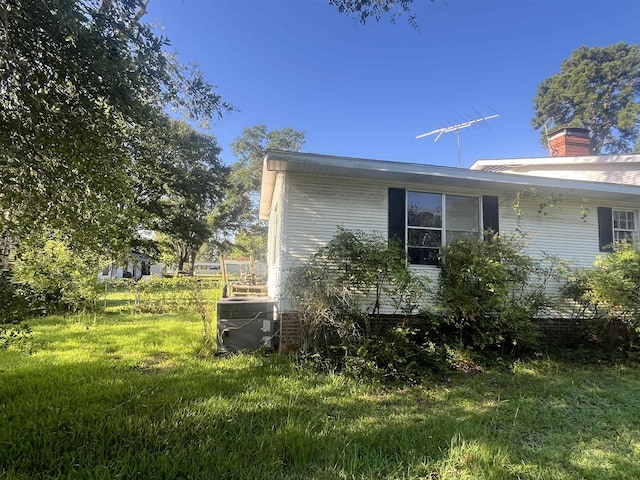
[328, 165]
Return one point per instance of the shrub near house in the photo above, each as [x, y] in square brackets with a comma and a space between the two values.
[491, 290]
[489, 293]
[339, 293]
[610, 294]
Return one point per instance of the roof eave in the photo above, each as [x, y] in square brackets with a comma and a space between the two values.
[429, 174]
[576, 160]
[266, 190]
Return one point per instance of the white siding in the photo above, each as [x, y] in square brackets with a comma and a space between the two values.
[560, 230]
[557, 230]
[316, 206]
[307, 209]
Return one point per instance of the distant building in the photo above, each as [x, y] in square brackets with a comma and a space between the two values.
[137, 267]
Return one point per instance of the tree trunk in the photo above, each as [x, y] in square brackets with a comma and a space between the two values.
[181, 259]
[7, 248]
[182, 254]
[192, 261]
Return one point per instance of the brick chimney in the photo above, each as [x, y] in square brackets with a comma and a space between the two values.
[569, 142]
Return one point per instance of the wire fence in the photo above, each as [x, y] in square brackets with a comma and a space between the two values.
[166, 295]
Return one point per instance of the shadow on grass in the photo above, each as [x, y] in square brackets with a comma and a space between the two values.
[255, 417]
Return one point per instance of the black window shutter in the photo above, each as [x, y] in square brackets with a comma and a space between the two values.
[397, 215]
[490, 216]
[605, 228]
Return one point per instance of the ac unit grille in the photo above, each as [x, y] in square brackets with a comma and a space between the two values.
[247, 309]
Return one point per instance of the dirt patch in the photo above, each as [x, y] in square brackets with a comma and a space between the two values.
[156, 363]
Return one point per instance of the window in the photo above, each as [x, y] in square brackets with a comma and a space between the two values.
[616, 226]
[624, 226]
[434, 219]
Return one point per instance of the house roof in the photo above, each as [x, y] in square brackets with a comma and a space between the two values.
[329, 165]
[513, 163]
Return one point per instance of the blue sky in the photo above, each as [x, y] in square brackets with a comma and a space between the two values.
[368, 91]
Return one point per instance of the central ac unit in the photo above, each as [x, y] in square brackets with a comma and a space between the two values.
[246, 323]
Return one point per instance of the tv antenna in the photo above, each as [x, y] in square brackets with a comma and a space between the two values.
[456, 128]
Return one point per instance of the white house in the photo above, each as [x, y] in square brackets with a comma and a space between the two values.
[305, 197]
[137, 266]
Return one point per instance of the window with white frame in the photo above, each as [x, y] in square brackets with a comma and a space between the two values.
[624, 226]
[434, 219]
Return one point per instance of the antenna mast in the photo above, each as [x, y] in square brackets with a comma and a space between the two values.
[553, 152]
[456, 128]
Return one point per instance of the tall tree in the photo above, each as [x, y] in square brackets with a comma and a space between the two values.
[251, 147]
[251, 242]
[191, 185]
[238, 214]
[83, 84]
[598, 89]
[246, 176]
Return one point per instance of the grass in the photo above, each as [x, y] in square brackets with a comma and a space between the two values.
[123, 396]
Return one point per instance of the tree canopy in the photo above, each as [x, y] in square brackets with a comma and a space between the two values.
[191, 186]
[598, 89]
[364, 10]
[251, 242]
[251, 147]
[240, 207]
[84, 85]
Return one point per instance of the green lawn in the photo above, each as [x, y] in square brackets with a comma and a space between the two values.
[122, 396]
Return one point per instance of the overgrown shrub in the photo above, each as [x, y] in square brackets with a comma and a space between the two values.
[345, 286]
[53, 278]
[609, 294]
[491, 290]
[614, 283]
[14, 307]
[15, 335]
[402, 354]
[592, 319]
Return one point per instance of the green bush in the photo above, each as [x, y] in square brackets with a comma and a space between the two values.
[343, 287]
[490, 292]
[14, 307]
[15, 335]
[489, 295]
[614, 283]
[53, 278]
[397, 355]
[609, 294]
